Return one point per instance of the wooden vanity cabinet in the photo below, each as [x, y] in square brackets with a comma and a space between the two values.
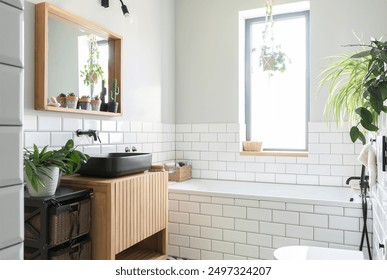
[129, 215]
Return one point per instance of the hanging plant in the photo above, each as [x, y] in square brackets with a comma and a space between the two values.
[92, 71]
[272, 58]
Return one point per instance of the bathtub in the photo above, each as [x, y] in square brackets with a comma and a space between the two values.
[214, 219]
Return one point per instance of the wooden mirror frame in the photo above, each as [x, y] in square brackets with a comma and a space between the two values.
[42, 13]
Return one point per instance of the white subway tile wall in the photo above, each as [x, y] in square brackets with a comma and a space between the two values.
[157, 138]
[216, 147]
[240, 228]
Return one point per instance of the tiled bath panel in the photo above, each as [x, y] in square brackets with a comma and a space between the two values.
[115, 135]
[215, 153]
[220, 225]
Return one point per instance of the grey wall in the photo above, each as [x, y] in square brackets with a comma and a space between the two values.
[207, 51]
[147, 55]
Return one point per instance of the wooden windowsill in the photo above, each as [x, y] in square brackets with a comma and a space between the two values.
[277, 153]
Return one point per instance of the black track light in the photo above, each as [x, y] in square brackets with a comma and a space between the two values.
[124, 9]
[105, 3]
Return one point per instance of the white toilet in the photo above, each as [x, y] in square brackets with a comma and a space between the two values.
[316, 253]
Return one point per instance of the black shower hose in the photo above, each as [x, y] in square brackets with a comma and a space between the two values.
[364, 205]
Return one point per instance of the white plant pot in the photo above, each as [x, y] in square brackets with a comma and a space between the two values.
[51, 183]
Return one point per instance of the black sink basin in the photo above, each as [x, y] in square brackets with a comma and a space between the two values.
[116, 164]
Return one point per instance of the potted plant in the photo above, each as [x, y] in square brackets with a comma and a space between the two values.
[358, 88]
[44, 168]
[113, 104]
[71, 100]
[61, 98]
[92, 71]
[84, 102]
[95, 103]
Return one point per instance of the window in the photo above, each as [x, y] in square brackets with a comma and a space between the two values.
[277, 104]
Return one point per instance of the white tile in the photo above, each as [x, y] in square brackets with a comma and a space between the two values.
[196, 174]
[352, 238]
[258, 214]
[130, 138]
[199, 127]
[221, 222]
[247, 250]
[105, 149]
[265, 159]
[123, 126]
[209, 174]
[200, 243]
[230, 175]
[199, 146]
[103, 137]
[189, 207]
[246, 202]
[147, 127]
[30, 123]
[346, 247]
[307, 179]
[296, 168]
[179, 137]
[218, 127]
[11, 50]
[286, 178]
[235, 166]
[188, 253]
[299, 207]
[246, 225]
[310, 159]
[330, 181]
[218, 147]
[222, 246]
[345, 223]
[348, 149]
[328, 235]
[265, 177]
[178, 196]
[135, 126]
[176, 217]
[191, 155]
[72, 124]
[313, 138]
[116, 138]
[158, 127]
[208, 255]
[40, 139]
[211, 209]
[313, 243]
[343, 170]
[189, 137]
[59, 139]
[109, 126]
[200, 198]
[142, 137]
[284, 241]
[285, 159]
[272, 228]
[275, 168]
[299, 232]
[318, 127]
[173, 250]
[319, 169]
[226, 156]
[200, 220]
[255, 167]
[331, 138]
[286, 217]
[233, 127]
[272, 205]
[208, 156]
[331, 159]
[234, 147]
[223, 200]
[233, 257]
[245, 176]
[234, 236]
[320, 148]
[266, 253]
[173, 228]
[314, 220]
[183, 146]
[152, 138]
[11, 215]
[226, 137]
[330, 210]
[91, 124]
[11, 87]
[183, 128]
[211, 233]
[234, 211]
[217, 165]
[92, 150]
[179, 240]
[147, 148]
[259, 239]
[353, 212]
[49, 123]
[173, 205]
[208, 137]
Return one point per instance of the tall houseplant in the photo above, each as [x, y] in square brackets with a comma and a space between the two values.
[358, 88]
[43, 168]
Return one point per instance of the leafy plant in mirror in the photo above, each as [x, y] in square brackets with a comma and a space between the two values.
[92, 71]
[358, 88]
[37, 163]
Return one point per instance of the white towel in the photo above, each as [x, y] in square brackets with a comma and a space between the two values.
[367, 157]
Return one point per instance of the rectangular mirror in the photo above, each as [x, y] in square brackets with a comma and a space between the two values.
[75, 59]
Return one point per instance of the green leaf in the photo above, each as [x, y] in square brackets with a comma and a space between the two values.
[377, 105]
[362, 138]
[369, 126]
[364, 114]
[354, 133]
[361, 54]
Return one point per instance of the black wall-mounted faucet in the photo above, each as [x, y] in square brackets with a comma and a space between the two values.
[91, 133]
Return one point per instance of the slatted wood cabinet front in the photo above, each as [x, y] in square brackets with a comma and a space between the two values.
[129, 215]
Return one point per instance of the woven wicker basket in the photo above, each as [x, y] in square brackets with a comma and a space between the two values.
[252, 146]
[181, 173]
[80, 250]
